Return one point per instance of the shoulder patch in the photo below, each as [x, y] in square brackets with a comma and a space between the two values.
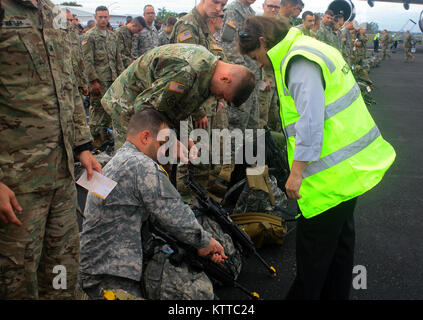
[232, 24]
[176, 87]
[184, 36]
[216, 46]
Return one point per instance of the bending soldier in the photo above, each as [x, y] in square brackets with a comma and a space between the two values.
[175, 79]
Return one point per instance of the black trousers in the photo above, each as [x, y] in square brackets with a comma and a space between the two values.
[325, 255]
[376, 45]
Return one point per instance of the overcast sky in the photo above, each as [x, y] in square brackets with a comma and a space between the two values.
[391, 16]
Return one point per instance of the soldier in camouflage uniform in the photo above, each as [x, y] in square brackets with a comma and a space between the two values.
[125, 38]
[407, 46]
[112, 246]
[104, 64]
[386, 41]
[326, 33]
[42, 129]
[308, 24]
[290, 9]
[346, 42]
[193, 28]
[77, 56]
[148, 38]
[175, 79]
[359, 66]
[164, 34]
[235, 13]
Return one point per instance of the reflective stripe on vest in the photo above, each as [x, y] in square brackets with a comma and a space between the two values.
[341, 155]
[332, 109]
[354, 156]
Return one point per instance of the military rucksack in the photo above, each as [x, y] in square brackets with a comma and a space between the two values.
[260, 208]
[261, 227]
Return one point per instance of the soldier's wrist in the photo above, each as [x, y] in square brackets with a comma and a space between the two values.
[83, 147]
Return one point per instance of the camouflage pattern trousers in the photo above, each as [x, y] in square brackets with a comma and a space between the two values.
[48, 238]
[165, 281]
[99, 120]
[408, 53]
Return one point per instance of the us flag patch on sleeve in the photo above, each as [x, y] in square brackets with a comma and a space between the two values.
[231, 24]
[217, 47]
[176, 87]
[184, 36]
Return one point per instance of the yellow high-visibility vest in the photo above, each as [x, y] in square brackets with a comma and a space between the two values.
[354, 155]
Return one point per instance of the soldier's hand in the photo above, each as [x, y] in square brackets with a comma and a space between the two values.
[220, 106]
[214, 250]
[202, 124]
[96, 87]
[8, 203]
[268, 86]
[89, 162]
[181, 152]
[193, 151]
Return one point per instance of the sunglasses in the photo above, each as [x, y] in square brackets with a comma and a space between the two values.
[273, 7]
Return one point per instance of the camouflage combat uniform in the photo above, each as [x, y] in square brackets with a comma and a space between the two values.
[407, 47]
[269, 101]
[386, 41]
[111, 241]
[163, 38]
[78, 60]
[310, 32]
[346, 45]
[125, 40]
[327, 35]
[174, 79]
[193, 29]
[42, 120]
[146, 40]
[247, 115]
[104, 64]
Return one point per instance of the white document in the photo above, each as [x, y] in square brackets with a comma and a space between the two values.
[100, 185]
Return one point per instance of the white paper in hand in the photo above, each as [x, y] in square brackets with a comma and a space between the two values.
[100, 185]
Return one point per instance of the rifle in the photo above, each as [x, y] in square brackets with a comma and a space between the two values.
[107, 146]
[276, 160]
[184, 252]
[221, 215]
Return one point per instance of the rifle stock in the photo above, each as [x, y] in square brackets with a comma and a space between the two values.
[216, 211]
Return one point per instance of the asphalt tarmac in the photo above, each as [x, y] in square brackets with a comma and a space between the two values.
[388, 218]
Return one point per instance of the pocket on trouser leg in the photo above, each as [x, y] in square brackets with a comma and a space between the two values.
[58, 269]
[182, 283]
[152, 277]
[12, 272]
